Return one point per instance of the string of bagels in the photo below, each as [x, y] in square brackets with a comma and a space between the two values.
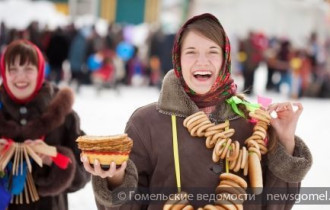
[236, 157]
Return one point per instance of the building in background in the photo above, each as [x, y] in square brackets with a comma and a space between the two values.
[127, 12]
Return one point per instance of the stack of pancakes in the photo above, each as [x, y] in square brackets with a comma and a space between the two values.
[105, 149]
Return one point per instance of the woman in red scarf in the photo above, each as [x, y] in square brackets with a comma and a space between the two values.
[35, 113]
[175, 150]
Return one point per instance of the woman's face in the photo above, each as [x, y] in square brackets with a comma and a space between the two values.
[201, 60]
[21, 79]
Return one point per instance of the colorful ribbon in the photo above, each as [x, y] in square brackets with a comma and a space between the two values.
[61, 161]
[234, 101]
[264, 101]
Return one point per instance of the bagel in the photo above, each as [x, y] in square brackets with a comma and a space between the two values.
[219, 145]
[259, 128]
[179, 205]
[263, 149]
[202, 128]
[225, 150]
[191, 116]
[221, 126]
[172, 201]
[229, 133]
[210, 207]
[193, 131]
[246, 168]
[217, 136]
[238, 162]
[188, 207]
[199, 119]
[226, 204]
[220, 207]
[255, 173]
[262, 124]
[232, 184]
[263, 113]
[261, 142]
[244, 157]
[215, 157]
[253, 137]
[232, 163]
[255, 150]
[209, 143]
[210, 133]
[260, 133]
[234, 152]
[239, 180]
[232, 197]
[252, 143]
[259, 117]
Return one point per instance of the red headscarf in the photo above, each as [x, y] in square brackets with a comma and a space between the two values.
[224, 86]
[40, 77]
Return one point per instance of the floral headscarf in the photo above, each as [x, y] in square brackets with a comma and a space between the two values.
[224, 86]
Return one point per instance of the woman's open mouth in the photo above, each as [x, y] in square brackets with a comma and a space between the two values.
[202, 75]
[21, 85]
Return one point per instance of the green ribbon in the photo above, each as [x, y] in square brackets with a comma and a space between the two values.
[234, 101]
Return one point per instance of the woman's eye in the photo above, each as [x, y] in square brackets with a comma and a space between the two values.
[12, 69]
[214, 52]
[190, 52]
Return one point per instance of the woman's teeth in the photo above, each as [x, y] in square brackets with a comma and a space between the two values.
[21, 85]
[202, 74]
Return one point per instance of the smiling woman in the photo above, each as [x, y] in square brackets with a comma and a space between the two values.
[36, 114]
[206, 136]
[23, 79]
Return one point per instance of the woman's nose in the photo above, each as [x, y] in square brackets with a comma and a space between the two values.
[202, 59]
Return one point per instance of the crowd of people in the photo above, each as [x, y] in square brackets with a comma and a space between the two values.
[112, 59]
[304, 70]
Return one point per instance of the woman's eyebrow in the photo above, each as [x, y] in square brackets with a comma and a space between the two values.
[189, 48]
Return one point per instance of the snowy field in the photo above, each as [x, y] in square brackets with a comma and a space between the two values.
[108, 112]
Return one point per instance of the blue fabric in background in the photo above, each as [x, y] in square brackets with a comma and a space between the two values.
[4, 193]
[18, 181]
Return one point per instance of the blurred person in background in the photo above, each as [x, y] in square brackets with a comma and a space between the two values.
[314, 51]
[57, 53]
[283, 59]
[253, 57]
[3, 36]
[105, 76]
[35, 112]
[77, 57]
[301, 73]
[33, 34]
[270, 58]
[135, 70]
[200, 83]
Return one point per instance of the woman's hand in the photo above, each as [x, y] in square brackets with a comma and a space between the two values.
[286, 122]
[114, 176]
[47, 160]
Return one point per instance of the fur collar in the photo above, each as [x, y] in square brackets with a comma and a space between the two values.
[49, 109]
[174, 100]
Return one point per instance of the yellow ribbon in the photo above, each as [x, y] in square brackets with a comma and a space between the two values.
[176, 153]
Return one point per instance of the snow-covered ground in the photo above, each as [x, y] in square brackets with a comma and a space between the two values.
[108, 112]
